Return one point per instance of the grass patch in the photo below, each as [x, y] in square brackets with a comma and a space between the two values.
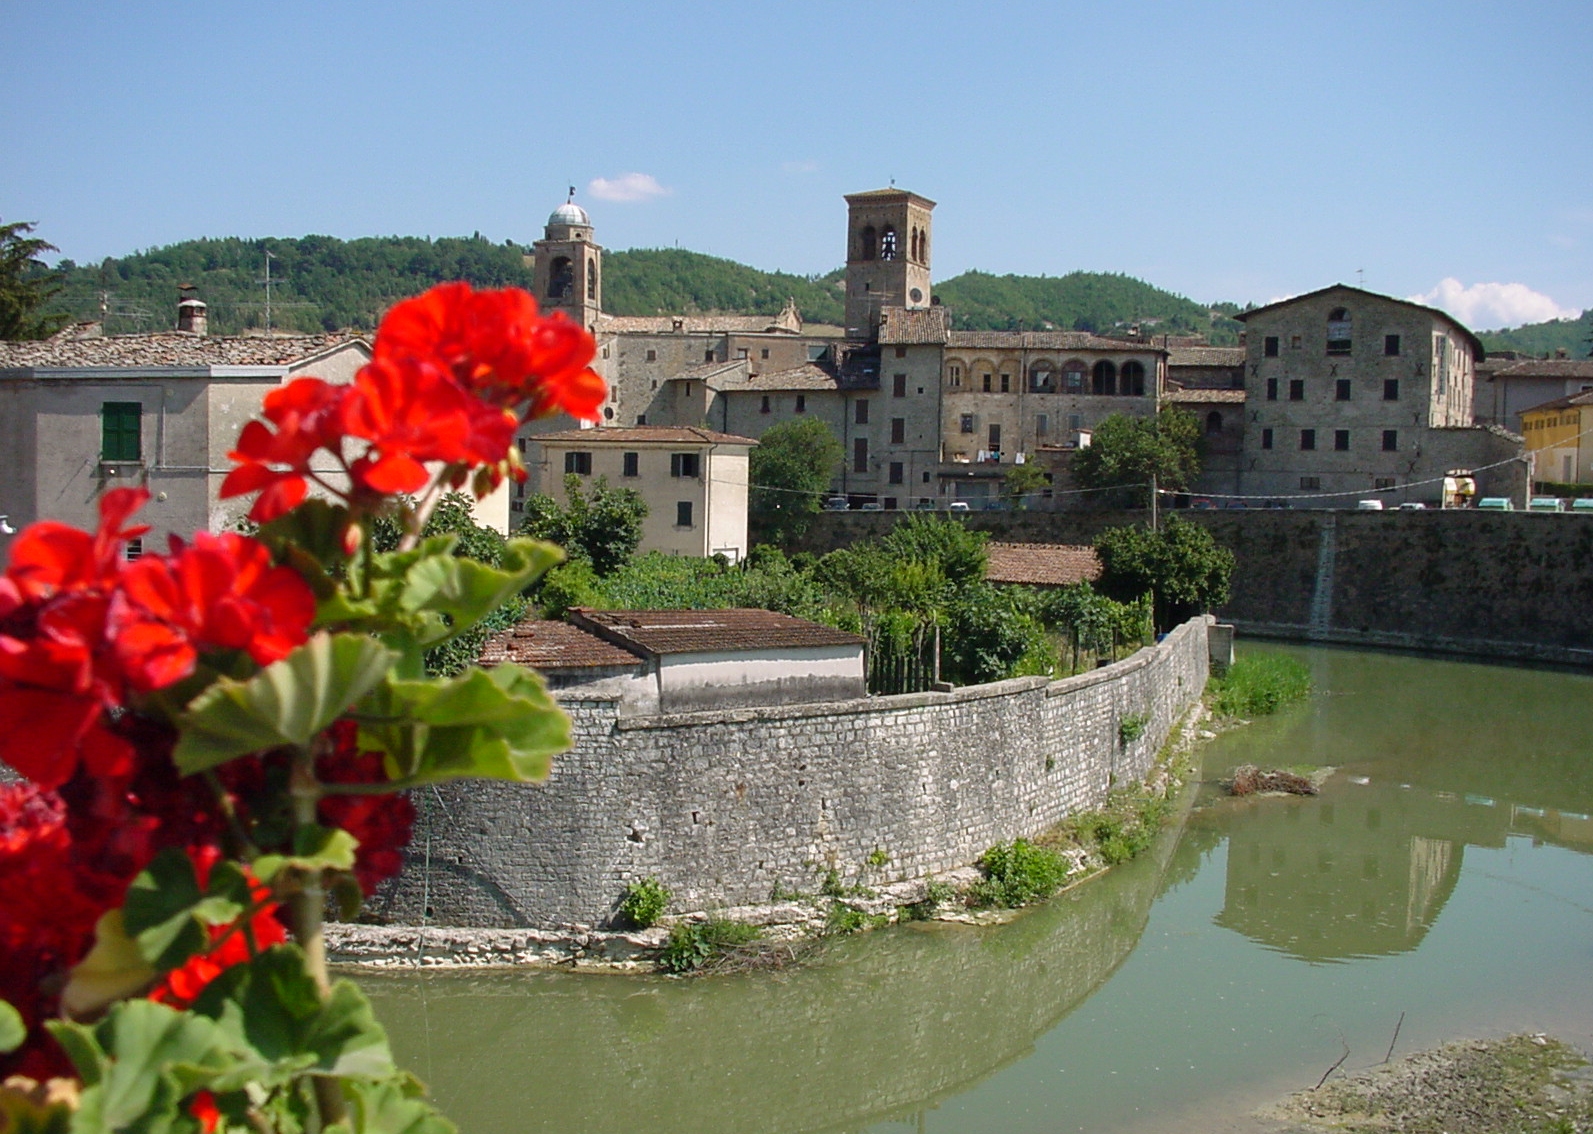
[1258, 684]
[696, 945]
[843, 919]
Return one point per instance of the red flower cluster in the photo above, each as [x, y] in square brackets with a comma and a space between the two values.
[79, 630]
[230, 944]
[454, 372]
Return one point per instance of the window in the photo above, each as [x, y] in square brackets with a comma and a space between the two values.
[764, 353]
[1297, 389]
[1341, 390]
[898, 431]
[1042, 424]
[887, 243]
[1310, 483]
[896, 472]
[683, 514]
[763, 407]
[121, 431]
[1390, 440]
[867, 242]
[561, 278]
[581, 463]
[966, 425]
[652, 356]
[1132, 381]
[890, 503]
[901, 352]
[1294, 342]
[632, 465]
[1075, 422]
[1391, 345]
[816, 351]
[708, 355]
[1338, 331]
[860, 415]
[1214, 422]
[1391, 389]
[994, 434]
[802, 403]
[641, 419]
[1006, 383]
[1383, 482]
[1073, 372]
[1266, 438]
[1103, 379]
[1308, 439]
[1269, 346]
[954, 375]
[1341, 440]
[860, 455]
[741, 352]
[133, 549]
[1272, 389]
[591, 279]
[898, 385]
[685, 464]
[984, 380]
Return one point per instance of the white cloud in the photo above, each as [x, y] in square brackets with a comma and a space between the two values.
[626, 187]
[1493, 305]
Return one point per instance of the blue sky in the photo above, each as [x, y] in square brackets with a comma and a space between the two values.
[1240, 151]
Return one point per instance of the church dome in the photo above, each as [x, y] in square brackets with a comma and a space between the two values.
[569, 213]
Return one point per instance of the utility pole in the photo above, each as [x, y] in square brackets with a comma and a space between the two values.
[268, 293]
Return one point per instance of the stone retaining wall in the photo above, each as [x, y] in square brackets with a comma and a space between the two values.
[731, 807]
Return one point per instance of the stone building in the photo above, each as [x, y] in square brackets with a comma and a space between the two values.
[1519, 384]
[1350, 393]
[82, 412]
[693, 480]
[1559, 436]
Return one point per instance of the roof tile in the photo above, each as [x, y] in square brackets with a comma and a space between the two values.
[707, 631]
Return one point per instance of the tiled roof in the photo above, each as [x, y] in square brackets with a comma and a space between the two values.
[1043, 340]
[736, 368]
[642, 434]
[809, 376]
[901, 325]
[690, 324]
[708, 631]
[1582, 399]
[168, 349]
[1201, 394]
[1476, 344]
[1041, 564]
[1549, 368]
[1231, 357]
[554, 645]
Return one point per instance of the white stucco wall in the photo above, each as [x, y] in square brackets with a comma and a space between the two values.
[688, 681]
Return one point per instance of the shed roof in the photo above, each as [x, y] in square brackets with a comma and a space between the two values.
[167, 350]
[1041, 564]
[1548, 368]
[1226, 357]
[904, 325]
[555, 645]
[642, 435]
[708, 631]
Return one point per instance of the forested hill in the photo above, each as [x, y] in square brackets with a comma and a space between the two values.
[1080, 301]
[1574, 336]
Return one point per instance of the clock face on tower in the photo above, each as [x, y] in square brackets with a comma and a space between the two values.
[916, 295]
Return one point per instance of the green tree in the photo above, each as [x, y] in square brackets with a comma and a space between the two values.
[1128, 452]
[1181, 566]
[1022, 484]
[791, 470]
[25, 285]
[602, 525]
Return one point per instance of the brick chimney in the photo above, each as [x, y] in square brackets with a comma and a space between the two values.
[191, 317]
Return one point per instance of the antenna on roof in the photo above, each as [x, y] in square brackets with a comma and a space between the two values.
[268, 259]
[1360, 278]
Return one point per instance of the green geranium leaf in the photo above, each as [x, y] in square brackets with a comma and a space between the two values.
[113, 970]
[166, 913]
[496, 724]
[391, 1106]
[286, 704]
[315, 849]
[466, 591]
[12, 1030]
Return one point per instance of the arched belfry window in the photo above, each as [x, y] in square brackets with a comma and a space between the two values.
[1338, 331]
[867, 241]
[923, 247]
[912, 246]
[1214, 422]
[591, 279]
[1103, 379]
[887, 243]
[561, 278]
[1132, 379]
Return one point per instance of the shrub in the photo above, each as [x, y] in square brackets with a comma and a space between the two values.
[692, 945]
[1258, 684]
[644, 902]
[1018, 873]
[1132, 727]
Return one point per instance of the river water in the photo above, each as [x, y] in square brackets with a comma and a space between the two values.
[1443, 875]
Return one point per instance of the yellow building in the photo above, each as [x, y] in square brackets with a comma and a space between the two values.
[1560, 438]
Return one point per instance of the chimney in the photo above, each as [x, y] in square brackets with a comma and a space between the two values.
[191, 317]
[1559, 352]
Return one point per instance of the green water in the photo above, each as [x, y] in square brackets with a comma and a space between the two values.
[1443, 874]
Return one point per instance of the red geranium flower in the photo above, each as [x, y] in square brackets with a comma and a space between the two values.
[308, 417]
[411, 412]
[232, 944]
[204, 1109]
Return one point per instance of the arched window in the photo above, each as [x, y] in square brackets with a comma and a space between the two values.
[1104, 377]
[591, 278]
[887, 243]
[1132, 379]
[1042, 378]
[1073, 373]
[561, 278]
[1338, 331]
[923, 246]
[866, 242]
[1214, 422]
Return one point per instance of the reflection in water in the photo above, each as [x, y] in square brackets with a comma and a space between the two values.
[1193, 973]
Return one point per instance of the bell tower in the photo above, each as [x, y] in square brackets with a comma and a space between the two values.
[887, 256]
[568, 265]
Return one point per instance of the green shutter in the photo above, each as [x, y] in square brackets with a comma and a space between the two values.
[121, 431]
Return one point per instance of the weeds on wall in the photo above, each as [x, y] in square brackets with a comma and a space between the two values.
[644, 903]
[695, 945]
[1016, 874]
[1131, 727]
[1258, 684]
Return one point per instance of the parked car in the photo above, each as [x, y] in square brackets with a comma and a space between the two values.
[957, 506]
[1582, 504]
[1368, 505]
[1412, 506]
[872, 506]
[1201, 502]
[1545, 504]
[1496, 504]
[837, 504]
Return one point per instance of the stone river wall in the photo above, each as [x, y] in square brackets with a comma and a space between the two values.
[730, 807]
